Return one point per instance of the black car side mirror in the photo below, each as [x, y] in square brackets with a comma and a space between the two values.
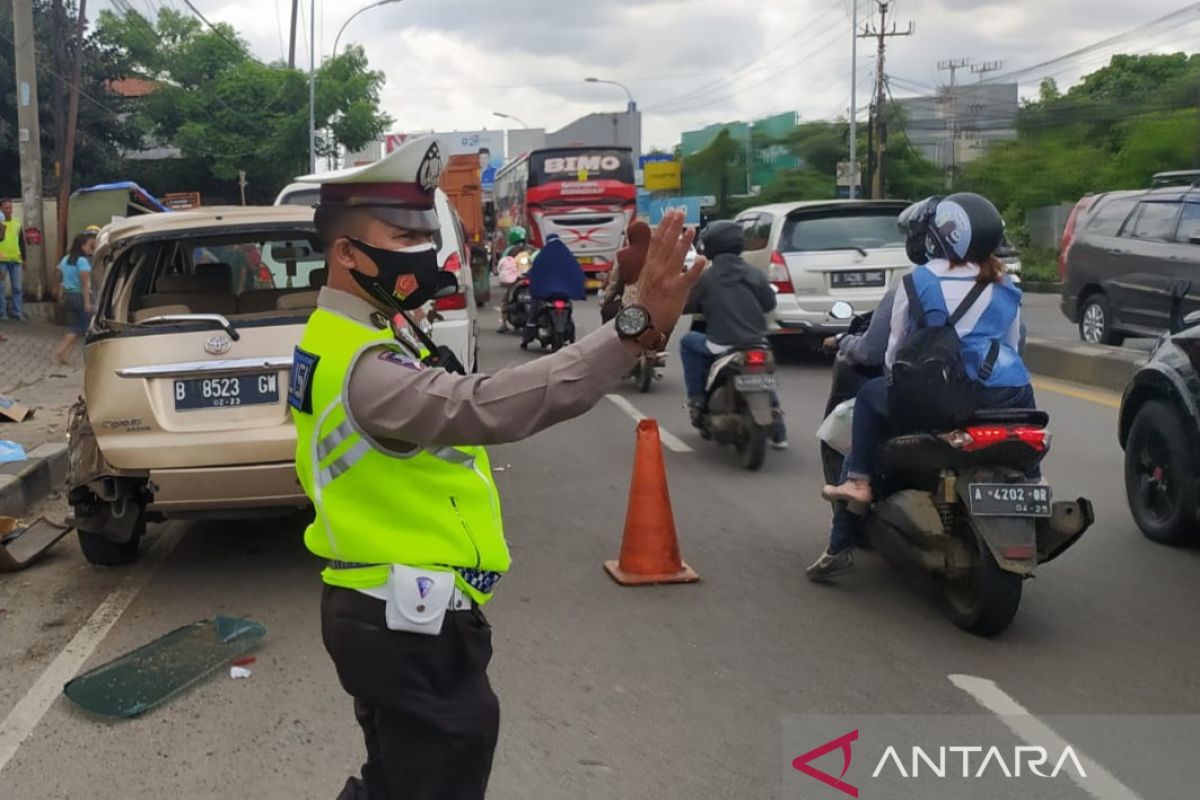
[1194, 239]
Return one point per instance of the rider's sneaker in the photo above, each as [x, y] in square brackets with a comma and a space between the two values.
[696, 412]
[779, 444]
[831, 565]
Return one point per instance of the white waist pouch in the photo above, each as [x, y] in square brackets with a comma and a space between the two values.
[418, 599]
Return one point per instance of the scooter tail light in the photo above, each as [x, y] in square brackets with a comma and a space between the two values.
[757, 358]
[560, 304]
[981, 437]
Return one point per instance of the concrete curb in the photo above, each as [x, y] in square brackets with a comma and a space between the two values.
[1037, 287]
[1096, 365]
[26, 482]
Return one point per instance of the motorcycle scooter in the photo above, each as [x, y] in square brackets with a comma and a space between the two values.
[739, 409]
[958, 505]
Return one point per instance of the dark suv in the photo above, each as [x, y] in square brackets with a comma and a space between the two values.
[1159, 429]
[1121, 254]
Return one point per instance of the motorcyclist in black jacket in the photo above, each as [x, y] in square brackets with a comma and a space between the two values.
[735, 299]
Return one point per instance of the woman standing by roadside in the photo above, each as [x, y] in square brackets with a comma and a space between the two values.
[75, 291]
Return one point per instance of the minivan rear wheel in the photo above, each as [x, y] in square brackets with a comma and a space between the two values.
[110, 534]
[1095, 322]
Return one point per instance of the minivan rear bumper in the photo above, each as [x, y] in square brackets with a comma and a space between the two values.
[226, 488]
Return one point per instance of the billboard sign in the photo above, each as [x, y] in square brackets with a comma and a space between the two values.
[689, 205]
[663, 176]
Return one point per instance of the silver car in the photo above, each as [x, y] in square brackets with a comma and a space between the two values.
[816, 253]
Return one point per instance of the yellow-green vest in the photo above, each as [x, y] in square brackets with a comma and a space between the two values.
[432, 507]
[10, 245]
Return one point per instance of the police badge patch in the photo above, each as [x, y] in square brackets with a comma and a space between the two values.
[430, 169]
[304, 364]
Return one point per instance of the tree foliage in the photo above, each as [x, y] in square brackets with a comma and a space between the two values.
[222, 107]
[102, 133]
[1113, 130]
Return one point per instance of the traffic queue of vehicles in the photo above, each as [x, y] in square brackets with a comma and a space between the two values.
[197, 314]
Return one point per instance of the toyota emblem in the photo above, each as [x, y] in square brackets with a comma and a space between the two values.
[218, 345]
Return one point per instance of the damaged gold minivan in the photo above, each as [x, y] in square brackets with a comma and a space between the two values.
[186, 364]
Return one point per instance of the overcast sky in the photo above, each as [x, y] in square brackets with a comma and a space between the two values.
[451, 63]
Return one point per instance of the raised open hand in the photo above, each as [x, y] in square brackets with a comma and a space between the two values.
[664, 283]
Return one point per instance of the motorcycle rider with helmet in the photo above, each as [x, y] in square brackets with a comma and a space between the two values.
[735, 299]
[509, 272]
[954, 241]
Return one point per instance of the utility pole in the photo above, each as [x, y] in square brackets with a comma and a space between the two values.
[854, 99]
[953, 66]
[30, 143]
[986, 67]
[878, 132]
[67, 168]
[292, 45]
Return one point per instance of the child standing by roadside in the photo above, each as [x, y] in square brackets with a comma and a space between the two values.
[75, 291]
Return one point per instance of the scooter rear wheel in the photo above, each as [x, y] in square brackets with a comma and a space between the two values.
[752, 445]
[984, 599]
[645, 375]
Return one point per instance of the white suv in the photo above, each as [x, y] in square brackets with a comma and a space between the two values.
[816, 253]
[455, 324]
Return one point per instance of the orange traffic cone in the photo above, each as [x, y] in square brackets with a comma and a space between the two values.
[649, 550]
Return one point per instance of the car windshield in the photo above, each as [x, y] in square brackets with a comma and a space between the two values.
[841, 230]
[238, 275]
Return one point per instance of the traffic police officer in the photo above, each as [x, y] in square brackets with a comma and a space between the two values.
[389, 450]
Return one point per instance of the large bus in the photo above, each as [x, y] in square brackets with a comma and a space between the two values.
[586, 195]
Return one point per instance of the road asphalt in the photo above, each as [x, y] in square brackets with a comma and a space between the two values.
[608, 692]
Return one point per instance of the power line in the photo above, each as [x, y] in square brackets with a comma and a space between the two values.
[745, 87]
[1009, 77]
[769, 52]
[215, 29]
[469, 87]
[732, 89]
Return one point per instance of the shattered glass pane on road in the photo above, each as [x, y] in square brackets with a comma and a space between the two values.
[158, 671]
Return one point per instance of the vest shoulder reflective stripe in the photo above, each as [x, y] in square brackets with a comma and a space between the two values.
[374, 505]
[10, 245]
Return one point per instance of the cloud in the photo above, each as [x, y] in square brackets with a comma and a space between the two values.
[451, 63]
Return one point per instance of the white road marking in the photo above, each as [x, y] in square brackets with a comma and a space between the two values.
[1099, 783]
[672, 442]
[30, 709]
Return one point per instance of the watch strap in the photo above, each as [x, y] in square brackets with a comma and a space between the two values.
[652, 340]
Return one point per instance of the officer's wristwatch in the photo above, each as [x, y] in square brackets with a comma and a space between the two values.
[634, 323]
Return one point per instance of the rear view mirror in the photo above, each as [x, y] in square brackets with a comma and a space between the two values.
[447, 285]
[841, 310]
[291, 251]
[1195, 239]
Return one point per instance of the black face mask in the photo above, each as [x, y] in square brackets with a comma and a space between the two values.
[407, 278]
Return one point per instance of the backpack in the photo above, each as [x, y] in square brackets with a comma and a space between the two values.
[929, 388]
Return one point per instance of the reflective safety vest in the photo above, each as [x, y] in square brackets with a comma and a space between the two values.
[10, 245]
[426, 508]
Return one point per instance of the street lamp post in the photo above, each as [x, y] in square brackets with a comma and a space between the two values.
[312, 71]
[515, 119]
[632, 107]
[350, 19]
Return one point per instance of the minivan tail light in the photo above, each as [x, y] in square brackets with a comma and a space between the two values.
[1068, 236]
[779, 274]
[457, 301]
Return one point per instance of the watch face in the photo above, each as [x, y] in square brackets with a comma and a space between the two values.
[632, 321]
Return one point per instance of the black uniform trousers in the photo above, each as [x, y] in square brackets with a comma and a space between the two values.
[427, 711]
